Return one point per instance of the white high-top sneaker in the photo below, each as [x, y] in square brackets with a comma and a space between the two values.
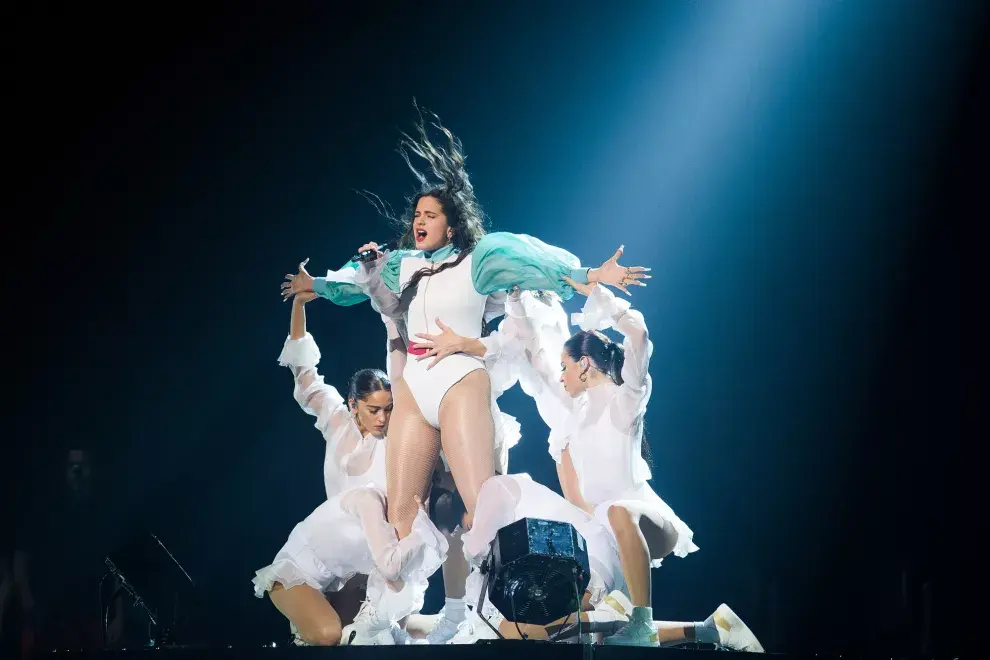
[444, 631]
[609, 615]
[639, 630]
[733, 633]
[614, 607]
[370, 628]
[297, 639]
[401, 637]
[472, 629]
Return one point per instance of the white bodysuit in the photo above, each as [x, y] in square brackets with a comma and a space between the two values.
[451, 297]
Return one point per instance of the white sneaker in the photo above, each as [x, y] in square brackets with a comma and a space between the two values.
[634, 633]
[444, 631]
[472, 629]
[608, 617]
[733, 633]
[370, 628]
[614, 607]
[296, 639]
[401, 637]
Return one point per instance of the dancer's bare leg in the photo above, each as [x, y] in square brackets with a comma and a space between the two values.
[315, 619]
[347, 602]
[634, 554]
[411, 454]
[468, 435]
[640, 540]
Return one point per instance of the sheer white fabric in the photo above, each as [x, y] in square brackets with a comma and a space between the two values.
[395, 350]
[604, 426]
[394, 559]
[345, 537]
[348, 534]
[352, 459]
[368, 277]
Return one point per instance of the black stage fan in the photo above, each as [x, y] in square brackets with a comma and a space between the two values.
[538, 571]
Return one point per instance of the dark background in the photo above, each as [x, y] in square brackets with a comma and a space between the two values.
[812, 391]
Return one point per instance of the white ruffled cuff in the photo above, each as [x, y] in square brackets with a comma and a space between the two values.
[558, 442]
[434, 549]
[302, 353]
[600, 311]
[507, 430]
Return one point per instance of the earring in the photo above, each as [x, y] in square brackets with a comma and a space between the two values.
[584, 377]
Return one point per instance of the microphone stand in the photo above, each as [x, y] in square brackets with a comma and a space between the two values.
[174, 560]
[135, 596]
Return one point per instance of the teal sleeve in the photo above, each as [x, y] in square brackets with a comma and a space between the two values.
[390, 273]
[502, 261]
[338, 286]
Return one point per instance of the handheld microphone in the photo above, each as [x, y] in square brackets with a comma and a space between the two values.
[370, 255]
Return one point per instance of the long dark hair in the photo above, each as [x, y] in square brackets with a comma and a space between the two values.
[446, 181]
[365, 382]
[608, 357]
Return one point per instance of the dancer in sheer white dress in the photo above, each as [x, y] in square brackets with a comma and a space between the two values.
[595, 410]
[348, 534]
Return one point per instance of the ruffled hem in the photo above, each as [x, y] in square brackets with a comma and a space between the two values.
[659, 512]
[303, 353]
[600, 310]
[288, 574]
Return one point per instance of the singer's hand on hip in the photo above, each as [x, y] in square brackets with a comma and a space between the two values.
[439, 346]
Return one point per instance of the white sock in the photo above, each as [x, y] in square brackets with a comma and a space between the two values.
[454, 609]
[642, 614]
[705, 631]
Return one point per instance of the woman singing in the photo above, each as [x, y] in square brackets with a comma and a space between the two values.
[448, 268]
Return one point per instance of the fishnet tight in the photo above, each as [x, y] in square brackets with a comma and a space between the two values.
[468, 438]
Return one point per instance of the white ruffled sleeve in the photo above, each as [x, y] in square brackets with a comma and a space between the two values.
[537, 325]
[496, 508]
[603, 310]
[378, 280]
[313, 395]
[395, 349]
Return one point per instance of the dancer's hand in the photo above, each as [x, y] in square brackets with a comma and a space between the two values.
[301, 282]
[583, 289]
[620, 277]
[440, 346]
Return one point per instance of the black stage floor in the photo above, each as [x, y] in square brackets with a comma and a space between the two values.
[496, 650]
